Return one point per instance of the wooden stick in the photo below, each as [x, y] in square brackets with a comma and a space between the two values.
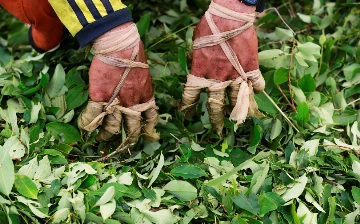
[282, 113]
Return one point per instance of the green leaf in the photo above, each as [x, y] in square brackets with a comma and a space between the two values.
[56, 84]
[309, 198]
[108, 209]
[183, 60]
[265, 104]
[356, 194]
[7, 173]
[299, 95]
[163, 216]
[228, 174]
[181, 189]
[269, 201]
[250, 204]
[275, 129]
[151, 147]
[302, 113]
[295, 190]
[79, 205]
[4, 201]
[63, 148]
[283, 34]
[305, 214]
[259, 177]
[351, 71]
[123, 216]
[255, 138]
[149, 193]
[138, 217]
[25, 186]
[307, 83]
[120, 189]
[106, 197]
[322, 39]
[213, 192]
[61, 215]
[44, 169]
[29, 169]
[304, 18]
[281, 75]
[76, 97]
[196, 147]
[188, 172]
[350, 218]
[143, 24]
[15, 148]
[92, 218]
[37, 212]
[309, 48]
[339, 101]
[332, 209]
[155, 173]
[51, 152]
[272, 58]
[88, 182]
[68, 132]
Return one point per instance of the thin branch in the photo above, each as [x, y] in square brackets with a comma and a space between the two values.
[123, 146]
[170, 35]
[330, 182]
[275, 9]
[353, 102]
[176, 138]
[289, 75]
[287, 99]
[282, 113]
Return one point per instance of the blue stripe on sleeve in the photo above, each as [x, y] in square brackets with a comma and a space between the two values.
[108, 6]
[93, 9]
[78, 12]
[103, 25]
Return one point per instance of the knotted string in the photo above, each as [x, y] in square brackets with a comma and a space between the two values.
[115, 41]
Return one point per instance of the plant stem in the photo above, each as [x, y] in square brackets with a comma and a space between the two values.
[282, 113]
[289, 75]
[170, 35]
[287, 99]
[122, 146]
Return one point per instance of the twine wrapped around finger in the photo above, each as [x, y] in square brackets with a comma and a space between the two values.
[240, 91]
[110, 115]
[240, 94]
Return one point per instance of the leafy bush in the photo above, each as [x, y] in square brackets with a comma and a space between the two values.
[265, 171]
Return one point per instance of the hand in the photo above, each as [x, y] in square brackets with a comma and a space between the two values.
[211, 63]
[135, 97]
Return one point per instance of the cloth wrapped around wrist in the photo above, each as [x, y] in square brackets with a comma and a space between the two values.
[110, 114]
[240, 91]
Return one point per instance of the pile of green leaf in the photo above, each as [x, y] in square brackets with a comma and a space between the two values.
[264, 171]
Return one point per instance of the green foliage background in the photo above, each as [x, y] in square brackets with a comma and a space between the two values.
[264, 171]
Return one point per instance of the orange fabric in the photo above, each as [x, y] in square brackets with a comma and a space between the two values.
[47, 29]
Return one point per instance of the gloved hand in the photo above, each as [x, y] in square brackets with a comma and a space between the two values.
[120, 87]
[225, 59]
[46, 30]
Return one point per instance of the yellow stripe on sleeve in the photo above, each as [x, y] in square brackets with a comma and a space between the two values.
[67, 15]
[100, 7]
[117, 4]
[83, 7]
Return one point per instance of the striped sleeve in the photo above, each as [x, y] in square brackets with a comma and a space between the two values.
[89, 19]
